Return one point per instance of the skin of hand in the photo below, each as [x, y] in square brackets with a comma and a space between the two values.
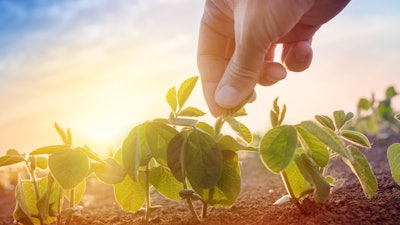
[237, 41]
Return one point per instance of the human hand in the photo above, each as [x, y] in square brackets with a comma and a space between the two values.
[237, 43]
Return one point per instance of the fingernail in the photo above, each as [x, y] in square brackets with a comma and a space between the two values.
[227, 96]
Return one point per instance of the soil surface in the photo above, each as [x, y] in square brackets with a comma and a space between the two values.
[260, 189]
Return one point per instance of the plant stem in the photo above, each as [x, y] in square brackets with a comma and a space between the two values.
[218, 126]
[192, 210]
[204, 210]
[34, 182]
[290, 191]
[190, 203]
[148, 203]
[60, 195]
[71, 205]
[183, 169]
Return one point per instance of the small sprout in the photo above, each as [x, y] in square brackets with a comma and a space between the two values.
[300, 153]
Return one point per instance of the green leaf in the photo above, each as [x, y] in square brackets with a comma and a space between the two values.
[364, 104]
[317, 150]
[110, 172]
[22, 213]
[206, 128]
[240, 112]
[195, 155]
[41, 162]
[10, 160]
[274, 117]
[191, 112]
[328, 137]
[227, 142]
[135, 150]
[369, 125]
[312, 174]
[165, 183]
[282, 115]
[43, 204]
[69, 167]
[49, 149]
[233, 112]
[26, 196]
[69, 137]
[54, 198]
[393, 154]
[362, 170]
[296, 180]
[340, 118]
[240, 129]
[158, 136]
[176, 149]
[275, 106]
[90, 154]
[129, 194]
[277, 147]
[325, 121]
[13, 152]
[348, 117]
[227, 190]
[185, 90]
[390, 92]
[61, 133]
[356, 138]
[203, 159]
[330, 180]
[171, 98]
[397, 116]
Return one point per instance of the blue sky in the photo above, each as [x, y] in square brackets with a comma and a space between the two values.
[101, 67]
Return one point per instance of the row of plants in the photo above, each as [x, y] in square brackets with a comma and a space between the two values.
[186, 159]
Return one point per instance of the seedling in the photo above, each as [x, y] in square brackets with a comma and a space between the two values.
[300, 153]
[182, 153]
[186, 159]
[201, 157]
[373, 116]
[393, 154]
[52, 179]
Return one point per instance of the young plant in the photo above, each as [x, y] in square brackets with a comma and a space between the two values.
[373, 117]
[182, 158]
[393, 154]
[201, 157]
[300, 153]
[51, 180]
[143, 157]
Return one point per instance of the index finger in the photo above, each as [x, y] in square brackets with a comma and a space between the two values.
[212, 49]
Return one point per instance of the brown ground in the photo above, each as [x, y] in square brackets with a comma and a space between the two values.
[260, 189]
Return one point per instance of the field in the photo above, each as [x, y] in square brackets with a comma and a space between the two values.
[260, 189]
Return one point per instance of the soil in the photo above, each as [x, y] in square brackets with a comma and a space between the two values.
[260, 189]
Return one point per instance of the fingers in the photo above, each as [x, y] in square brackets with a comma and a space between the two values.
[297, 56]
[211, 64]
[230, 70]
[257, 26]
[272, 72]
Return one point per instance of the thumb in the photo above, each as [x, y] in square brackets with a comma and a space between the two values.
[258, 23]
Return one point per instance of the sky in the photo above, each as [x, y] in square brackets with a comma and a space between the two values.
[102, 67]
